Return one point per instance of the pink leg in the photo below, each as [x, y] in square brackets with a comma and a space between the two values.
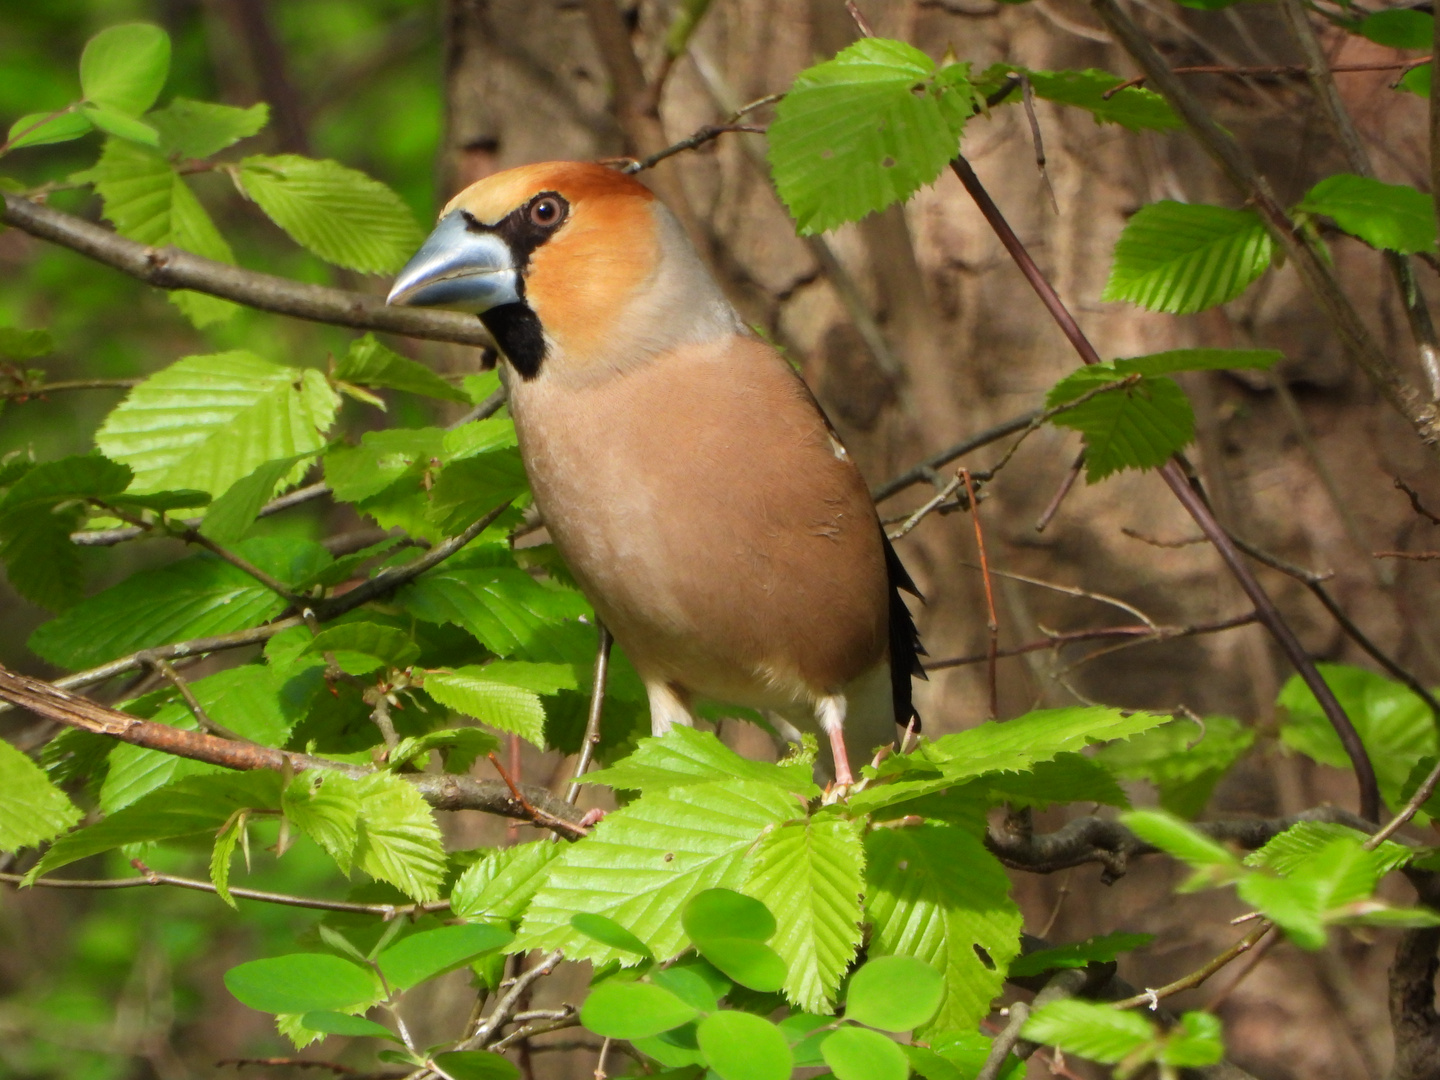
[592, 816]
[831, 715]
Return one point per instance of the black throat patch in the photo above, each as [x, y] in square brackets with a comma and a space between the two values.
[515, 327]
[517, 331]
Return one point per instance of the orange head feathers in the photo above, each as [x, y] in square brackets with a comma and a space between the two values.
[558, 259]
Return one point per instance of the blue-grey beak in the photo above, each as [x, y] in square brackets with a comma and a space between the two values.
[458, 268]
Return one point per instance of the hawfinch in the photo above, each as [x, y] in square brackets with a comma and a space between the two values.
[684, 471]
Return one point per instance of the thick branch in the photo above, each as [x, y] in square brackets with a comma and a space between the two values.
[171, 268]
[1412, 1006]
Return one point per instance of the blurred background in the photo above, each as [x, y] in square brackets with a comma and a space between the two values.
[915, 331]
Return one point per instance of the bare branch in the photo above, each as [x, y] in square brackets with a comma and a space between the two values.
[1200, 974]
[171, 268]
[591, 739]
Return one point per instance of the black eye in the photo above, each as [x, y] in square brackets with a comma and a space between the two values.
[547, 212]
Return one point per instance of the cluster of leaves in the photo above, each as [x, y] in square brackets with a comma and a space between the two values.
[724, 891]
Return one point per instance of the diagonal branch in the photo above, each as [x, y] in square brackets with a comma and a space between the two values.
[171, 268]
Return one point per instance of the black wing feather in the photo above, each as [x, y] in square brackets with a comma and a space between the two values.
[905, 647]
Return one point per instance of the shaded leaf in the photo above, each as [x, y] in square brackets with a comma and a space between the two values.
[741, 1046]
[231, 515]
[302, 983]
[857, 1054]
[1098, 1032]
[1182, 761]
[1214, 864]
[334, 1023]
[894, 993]
[197, 129]
[361, 647]
[1133, 108]
[633, 1010]
[369, 363]
[1100, 949]
[417, 957]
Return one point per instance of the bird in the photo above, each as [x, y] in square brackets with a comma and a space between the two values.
[690, 480]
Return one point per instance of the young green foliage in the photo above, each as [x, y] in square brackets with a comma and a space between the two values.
[864, 130]
[1393, 217]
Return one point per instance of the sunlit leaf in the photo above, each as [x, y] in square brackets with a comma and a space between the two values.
[33, 810]
[124, 67]
[1395, 217]
[302, 983]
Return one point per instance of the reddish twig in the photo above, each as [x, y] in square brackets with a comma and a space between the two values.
[534, 813]
[1417, 556]
[1173, 476]
[992, 624]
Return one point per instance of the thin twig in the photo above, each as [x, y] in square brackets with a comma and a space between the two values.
[385, 911]
[992, 624]
[703, 135]
[1411, 808]
[172, 268]
[1152, 998]
[1293, 71]
[1141, 635]
[1415, 503]
[537, 1027]
[1252, 962]
[1171, 472]
[532, 812]
[1417, 556]
[1004, 1042]
[1188, 541]
[39, 390]
[1053, 506]
[925, 470]
[110, 537]
[509, 1002]
[168, 672]
[591, 739]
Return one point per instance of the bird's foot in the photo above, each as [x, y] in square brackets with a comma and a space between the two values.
[592, 816]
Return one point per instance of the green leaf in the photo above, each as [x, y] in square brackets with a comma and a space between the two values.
[504, 608]
[1290, 850]
[413, 959]
[41, 563]
[609, 932]
[398, 840]
[992, 747]
[124, 67]
[197, 129]
[121, 125]
[1214, 864]
[470, 691]
[1400, 28]
[206, 421]
[1394, 217]
[1334, 882]
[368, 363]
[325, 807]
[459, 747]
[1068, 778]
[220, 856]
[33, 810]
[1194, 1042]
[231, 515]
[864, 130]
[725, 913]
[686, 755]
[477, 1065]
[1183, 761]
[501, 885]
[334, 1023]
[1134, 108]
[190, 807]
[936, 894]
[1094, 950]
[196, 597]
[1165, 363]
[741, 1046]
[150, 203]
[694, 982]
[361, 647]
[303, 983]
[1097, 1032]
[1137, 426]
[1186, 257]
[894, 993]
[1417, 80]
[749, 963]
[41, 129]
[18, 344]
[1395, 726]
[358, 473]
[967, 1050]
[810, 876]
[471, 487]
[856, 1054]
[82, 477]
[340, 214]
[642, 863]
[633, 1010]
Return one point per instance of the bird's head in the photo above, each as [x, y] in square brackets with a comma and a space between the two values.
[568, 264]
